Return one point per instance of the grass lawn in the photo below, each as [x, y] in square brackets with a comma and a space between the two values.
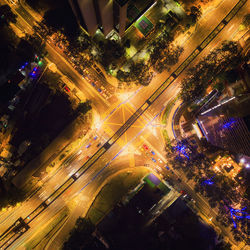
[113, 192]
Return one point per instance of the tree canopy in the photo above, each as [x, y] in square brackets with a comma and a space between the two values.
[198, 77]
[80, 236]
[6, 15]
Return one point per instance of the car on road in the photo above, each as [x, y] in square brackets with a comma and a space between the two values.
[145, 146]
[167, 167]
[99, 144]
[152, 152]
[159, 160]
[66, 88]
[95, 137]
[153, 159]
[88, 146]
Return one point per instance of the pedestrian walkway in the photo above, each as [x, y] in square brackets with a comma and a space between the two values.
[170, 120]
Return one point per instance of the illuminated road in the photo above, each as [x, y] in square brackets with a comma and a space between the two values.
[136, 101]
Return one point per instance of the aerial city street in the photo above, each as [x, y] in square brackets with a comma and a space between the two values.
[124, 124]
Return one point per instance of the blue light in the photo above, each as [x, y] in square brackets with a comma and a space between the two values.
[237, 214]
[208, 182]
[24, 65]
[229, 124]
[181, 149]
[34, 71]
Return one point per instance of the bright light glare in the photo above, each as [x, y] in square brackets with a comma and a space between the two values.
[124, 96]
[97, 122]
[242, 160]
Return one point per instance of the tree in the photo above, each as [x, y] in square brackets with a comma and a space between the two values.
[246, 20]
[24, 50]
[109, 52]
[55, 19]
[38, 45]
[195, 13]
[84, 107]
[6, 15]
[172, 55]
[80, 236]
[30, 46]
[198, 77]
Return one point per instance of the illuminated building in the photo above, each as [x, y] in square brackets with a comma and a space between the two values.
[107, 15]
[225, 131]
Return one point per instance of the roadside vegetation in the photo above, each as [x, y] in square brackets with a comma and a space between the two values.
[221, 191]
[161, 53]
[214, 65]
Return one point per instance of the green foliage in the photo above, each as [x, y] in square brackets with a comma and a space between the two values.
[109, 52]
[139, 73]
[164, 54]
[84, 107]
[198, 77]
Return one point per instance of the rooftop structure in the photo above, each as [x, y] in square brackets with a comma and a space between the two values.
[231, 134]
[108, 15]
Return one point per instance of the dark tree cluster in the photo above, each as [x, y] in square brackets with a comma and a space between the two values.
[198, 77]
[139, 74]
[6, 16]
[109, 52]
[29, 46]
[10, 196]
[81, 236]
[164, 54]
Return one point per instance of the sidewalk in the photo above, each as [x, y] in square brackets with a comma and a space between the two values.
[170, 120]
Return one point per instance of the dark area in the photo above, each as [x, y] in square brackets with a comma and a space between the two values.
[6, 15]
[42, 117]
[110, 52]
[10, 196]
[177, 228]
[55, 18]
[44, 4]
